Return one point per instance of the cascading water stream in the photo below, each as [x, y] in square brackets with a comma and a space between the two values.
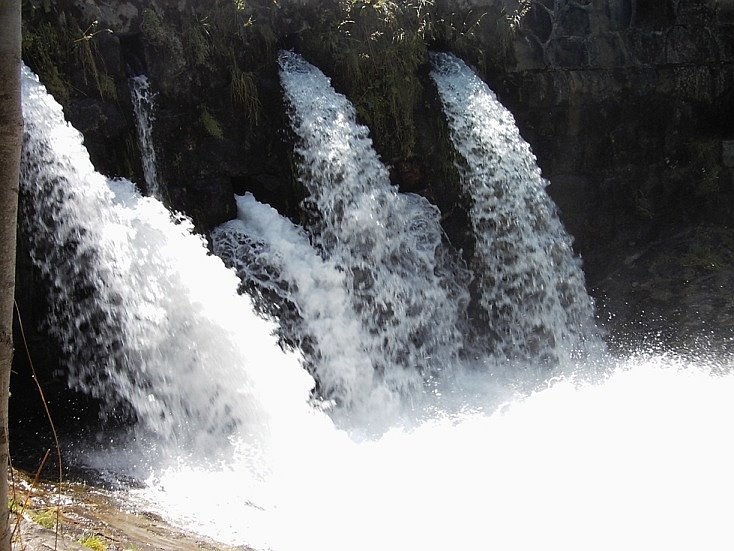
[150, 321]
[530, 283]
[274, 254]
[388, 244]
[143, 99]
[638, 459]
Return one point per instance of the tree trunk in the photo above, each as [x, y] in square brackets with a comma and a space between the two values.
[11, 132]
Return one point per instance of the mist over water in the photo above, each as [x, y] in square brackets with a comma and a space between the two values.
[595, 453]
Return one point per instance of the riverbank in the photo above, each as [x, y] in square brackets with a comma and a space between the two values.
[90, 518]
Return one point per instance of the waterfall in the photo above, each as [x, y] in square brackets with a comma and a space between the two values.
[637, 459]
[388, 244]
[531, 286]
[149, 320]
[143, 100]
[269, 251]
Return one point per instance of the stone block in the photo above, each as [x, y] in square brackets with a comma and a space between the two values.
[570, 193]
[598, 21]
[654, 15]
[572, 21]
[727, 153]
[118, 16]
[685, 45]
[724, 37]
[693, 83]
[725, 11]
[538, 21]
[567, 52]
[108, 48]
[606, 51]
[619, 13]
[647, 48]
[528, 54]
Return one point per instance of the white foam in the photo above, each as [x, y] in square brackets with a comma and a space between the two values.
[640, 460]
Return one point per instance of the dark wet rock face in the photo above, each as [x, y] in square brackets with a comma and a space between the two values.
[629, 117]
[673, 292]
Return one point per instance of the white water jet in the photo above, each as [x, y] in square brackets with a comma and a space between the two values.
[150, 320]
[269, 250]
[143, 99]
[388, 244]
[530, 283]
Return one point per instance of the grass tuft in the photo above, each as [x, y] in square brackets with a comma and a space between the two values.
[210, 124]
[94, 542]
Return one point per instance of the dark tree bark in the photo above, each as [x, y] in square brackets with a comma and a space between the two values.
[11, 125]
